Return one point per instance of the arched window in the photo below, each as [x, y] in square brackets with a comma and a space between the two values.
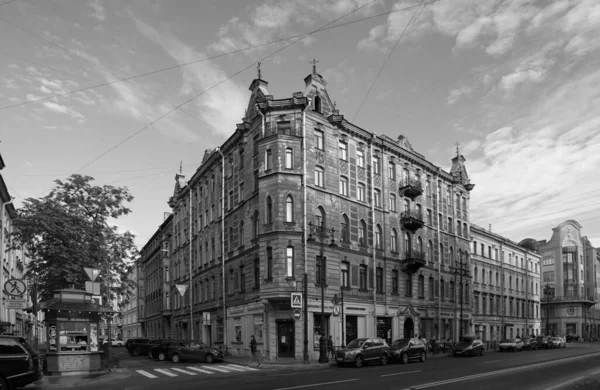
[452, 257]
[378, 241]
[289, 158]
[254, 225]
[345, 228]
[289, 209]
[269, 210]
[317, 104]
[430, 254]
[420, 244]
[362, 233]
[394, 240]
[320, 217]
[407, 243]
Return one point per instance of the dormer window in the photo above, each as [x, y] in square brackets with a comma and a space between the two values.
[317, 105]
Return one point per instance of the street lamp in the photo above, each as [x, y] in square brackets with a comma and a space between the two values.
[462, 271]
[548, 290]
[322, 234]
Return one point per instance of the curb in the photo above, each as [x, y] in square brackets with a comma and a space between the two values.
[77, 381]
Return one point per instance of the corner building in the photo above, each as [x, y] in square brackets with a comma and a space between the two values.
[266, 207]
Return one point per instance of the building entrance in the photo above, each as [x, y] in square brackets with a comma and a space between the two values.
[285, 338]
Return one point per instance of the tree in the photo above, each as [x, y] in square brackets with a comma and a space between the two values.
[69, 229]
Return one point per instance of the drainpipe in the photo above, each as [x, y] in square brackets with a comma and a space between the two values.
[304, 242]
[223, 247]
[373, 235]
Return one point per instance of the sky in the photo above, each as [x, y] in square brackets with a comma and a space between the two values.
[515, 83]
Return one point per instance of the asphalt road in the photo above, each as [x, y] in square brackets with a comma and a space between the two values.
[536, 370]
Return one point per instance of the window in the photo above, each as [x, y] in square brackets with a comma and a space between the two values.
[420, 245]
[421, 286]
[241, 234]
[441, 253]
[319, 140]
[394, 240]
[429, 217]
[376, 165]
[378, 240]
[407, 243]
[430, 287]
[392, 202]
[289, 209]
[452, 292]
[345, 275]
[379, 280]
[430, 256]
[268, 160]
[241, 196]
[321, 270]
[465, 231]
[320, 217]
[377, 198]
[269, 210]
[256, 273]
[360, 158]
[361, 192]
[363, 277]
[428, 186]
[458, 229]
[230, 238]
[242, 279]
[344, 186]
[289, 158]
[343, 151]
[442, 289]
[392, 170]
[284, 127]
[254, 226]
[289, 262]
[362, 233]
[319, 177]
[345, 229]
[409, 283]
[269, 263]
[394, 281]
[317, 104]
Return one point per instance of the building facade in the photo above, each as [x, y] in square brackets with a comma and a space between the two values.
[570, 281]
[506, 287]
[300, 195]
[154, 284]
[132, 328]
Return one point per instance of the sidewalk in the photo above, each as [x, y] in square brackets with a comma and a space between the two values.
[77, 381]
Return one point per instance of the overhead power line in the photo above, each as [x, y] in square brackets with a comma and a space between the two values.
[214, 86]
[7, 2]
[156, 71]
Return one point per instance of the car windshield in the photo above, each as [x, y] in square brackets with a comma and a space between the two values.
[356, 343]
[26, 345]
[464, 343]
[400, 343]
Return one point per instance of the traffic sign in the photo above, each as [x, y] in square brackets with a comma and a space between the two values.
[15, 287]
[16, 303]
[182, 288]
[296, 300]
[92, 273]
[297, 314]
[336, 310]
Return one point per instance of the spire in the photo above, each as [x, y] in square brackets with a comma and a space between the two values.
[314, 64]
[258, 70]
[180, 167]
[457, 151]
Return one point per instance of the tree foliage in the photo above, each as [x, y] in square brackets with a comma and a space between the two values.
[72, 227]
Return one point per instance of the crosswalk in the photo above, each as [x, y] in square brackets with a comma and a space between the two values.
[194, 370]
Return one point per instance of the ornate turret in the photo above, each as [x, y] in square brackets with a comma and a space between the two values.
[459, 171]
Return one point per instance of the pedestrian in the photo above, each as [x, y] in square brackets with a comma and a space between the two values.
[330, 347]
[253, 352]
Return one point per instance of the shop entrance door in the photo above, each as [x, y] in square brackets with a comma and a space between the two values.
[285, 339]
[409, 328]
[351, 328]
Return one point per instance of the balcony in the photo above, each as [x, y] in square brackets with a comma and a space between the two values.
[585, 299]
[411, 188]
[413, 260]
[412, 220]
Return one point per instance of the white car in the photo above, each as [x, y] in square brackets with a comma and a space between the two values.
[558, 342]
[114, 343]
[511, 345]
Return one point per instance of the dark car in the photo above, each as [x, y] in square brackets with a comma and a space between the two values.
[193, 350]
[132, 344]
[160, 351]
[469, 346]
[404, 350]
[544, 342]
[19, 364]
[529, 344]
[143, 349]
[361, 351]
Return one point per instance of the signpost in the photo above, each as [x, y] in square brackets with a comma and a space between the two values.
[15, 287]
[16, 303]
[296, 300]
[297, 314]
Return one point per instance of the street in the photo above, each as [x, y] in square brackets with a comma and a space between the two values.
[535, 370]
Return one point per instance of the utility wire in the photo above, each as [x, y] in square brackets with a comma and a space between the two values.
[387, 59]
[7, 2]
[152, 72]
[214, 86]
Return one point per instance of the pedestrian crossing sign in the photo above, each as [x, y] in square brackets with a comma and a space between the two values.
[297, 300]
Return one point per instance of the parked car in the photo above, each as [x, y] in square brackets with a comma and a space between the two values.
[469, 346]
[142, 349]
[114, 343]
[408, 349]
[362, 351]
[558, 342]
[131, 342]
[160, 351]
[193, 350]
[544, 342]
[19, 364]
[511, 345]
[529, 344]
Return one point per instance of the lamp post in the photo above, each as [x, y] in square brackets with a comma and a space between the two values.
[462, 271]
[547, 293]
[322, 233]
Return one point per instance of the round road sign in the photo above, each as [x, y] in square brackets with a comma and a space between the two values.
[15, 287]
[297, 314]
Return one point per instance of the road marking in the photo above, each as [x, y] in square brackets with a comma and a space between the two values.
[245, 368]
[564, 383]
[183, 371]
[216, 369]
[400, 373]
[236, 368]
[165, 372]
[200, 370]
[146, 374]
[317, 384]
[492, 361]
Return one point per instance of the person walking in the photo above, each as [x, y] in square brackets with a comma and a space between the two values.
[330, 347]
[253, 352]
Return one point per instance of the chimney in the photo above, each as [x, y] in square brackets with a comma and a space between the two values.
[490, 227]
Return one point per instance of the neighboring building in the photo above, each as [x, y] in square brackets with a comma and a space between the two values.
[154, 302]
[132, 328]
[506, 287]
[593, 274]
[294, 162]
[569, 281]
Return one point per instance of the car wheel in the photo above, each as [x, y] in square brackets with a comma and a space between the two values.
[482, 353]
[176, 358]
[404, 358]
[383, 360]
[3, 384]
[209, 358]
[358, 361]
[423, 357]
[162, 356]
[136, 352]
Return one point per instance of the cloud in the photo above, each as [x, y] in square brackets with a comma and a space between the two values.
[13, 66]
[99, 12]
[456, 94]
[62, 109]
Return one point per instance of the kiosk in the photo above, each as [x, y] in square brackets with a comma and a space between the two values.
[72, 323]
